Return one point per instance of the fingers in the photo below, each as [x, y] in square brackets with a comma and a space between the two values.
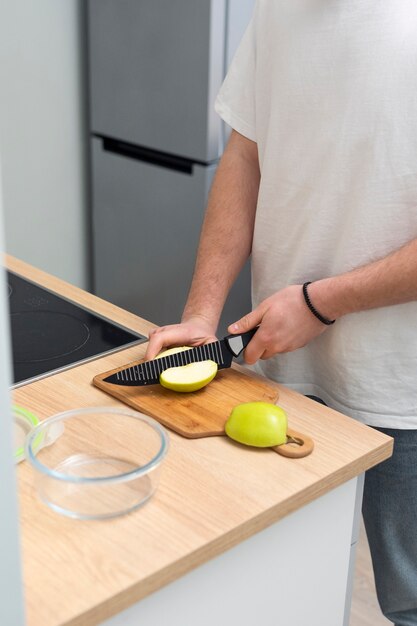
[165, 336]
[256, 347]
[247, 322]
[176, 335]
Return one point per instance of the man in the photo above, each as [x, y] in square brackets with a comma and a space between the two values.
[318, 184]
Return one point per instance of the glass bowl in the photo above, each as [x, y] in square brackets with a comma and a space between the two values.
[102, 462]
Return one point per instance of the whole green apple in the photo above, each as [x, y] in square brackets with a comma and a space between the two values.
[259, 424]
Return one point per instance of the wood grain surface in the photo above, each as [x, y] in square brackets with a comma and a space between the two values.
[213, 493]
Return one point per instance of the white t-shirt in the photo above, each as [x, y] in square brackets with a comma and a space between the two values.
[328, 90]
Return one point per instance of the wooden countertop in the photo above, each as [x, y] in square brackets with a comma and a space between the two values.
[212, 495]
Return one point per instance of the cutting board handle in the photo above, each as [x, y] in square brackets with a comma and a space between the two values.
[297, 446]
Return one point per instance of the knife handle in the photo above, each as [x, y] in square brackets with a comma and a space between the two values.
[237, 343]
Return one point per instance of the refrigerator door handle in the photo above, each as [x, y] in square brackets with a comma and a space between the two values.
[147, 155]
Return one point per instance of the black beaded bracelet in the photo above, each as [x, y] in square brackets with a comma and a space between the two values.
[314, 311]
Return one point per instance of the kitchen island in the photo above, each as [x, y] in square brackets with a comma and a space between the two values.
[233, 535]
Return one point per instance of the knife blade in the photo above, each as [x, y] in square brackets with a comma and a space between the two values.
[148, 372]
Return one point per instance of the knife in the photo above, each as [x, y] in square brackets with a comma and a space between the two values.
[148, 372]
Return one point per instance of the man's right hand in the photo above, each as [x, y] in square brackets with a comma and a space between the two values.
[195, 331]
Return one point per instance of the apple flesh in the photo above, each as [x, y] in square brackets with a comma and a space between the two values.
[187, 378]
[259, 424]
[171, 351]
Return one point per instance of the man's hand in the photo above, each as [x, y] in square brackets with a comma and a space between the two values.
[285, 324]
[195, 331]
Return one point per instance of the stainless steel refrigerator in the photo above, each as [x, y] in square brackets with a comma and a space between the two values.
[155, 67]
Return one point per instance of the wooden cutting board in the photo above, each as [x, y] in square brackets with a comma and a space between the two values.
[201, 413]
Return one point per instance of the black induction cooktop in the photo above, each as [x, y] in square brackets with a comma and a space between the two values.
[50, 333]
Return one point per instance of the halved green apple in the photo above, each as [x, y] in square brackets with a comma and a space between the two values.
[187, 378]
[259, 424]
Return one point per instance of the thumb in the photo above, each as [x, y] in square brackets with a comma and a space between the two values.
[247, 322]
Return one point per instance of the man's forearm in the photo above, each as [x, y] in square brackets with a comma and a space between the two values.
[226, 237]
[388, 281]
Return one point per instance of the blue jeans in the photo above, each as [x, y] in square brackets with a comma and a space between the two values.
[390, 515]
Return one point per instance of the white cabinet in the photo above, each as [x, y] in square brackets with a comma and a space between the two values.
[294, 573]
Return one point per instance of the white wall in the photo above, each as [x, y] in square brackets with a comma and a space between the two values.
[11, 596]
[42, 135]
